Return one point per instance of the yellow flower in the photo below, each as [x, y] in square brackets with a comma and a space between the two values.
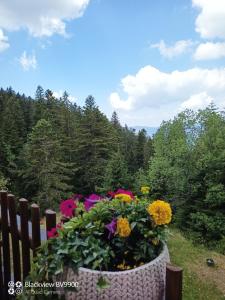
[123, 227]
[160, 211]
[124, 197]
[123, 266]
[145, 190]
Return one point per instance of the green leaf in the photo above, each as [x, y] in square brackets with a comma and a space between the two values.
[133, 224]
[102, 283]
[88, 259]
[63, 251]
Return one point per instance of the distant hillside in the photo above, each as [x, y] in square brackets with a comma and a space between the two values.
[150, 130]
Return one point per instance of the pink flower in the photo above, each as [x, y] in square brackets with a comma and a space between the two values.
[91, 200]
[121, 191]
[67, 207]
[52, 233]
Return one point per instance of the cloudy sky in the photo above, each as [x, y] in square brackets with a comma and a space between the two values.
[147, 60]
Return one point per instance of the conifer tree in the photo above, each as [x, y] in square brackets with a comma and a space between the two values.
[45, 172]
[140, 148]
[128, 148]
[39, 103]
[13, 129]
[116, 173]
[93, 147]
[148, 152]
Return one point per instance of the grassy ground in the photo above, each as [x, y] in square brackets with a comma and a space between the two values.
[200, 282]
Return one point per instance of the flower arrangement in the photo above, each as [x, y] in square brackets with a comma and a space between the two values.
[114, 233]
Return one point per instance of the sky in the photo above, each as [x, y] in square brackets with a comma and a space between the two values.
[146, 59]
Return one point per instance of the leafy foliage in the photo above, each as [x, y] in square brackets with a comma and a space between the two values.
[188, 169]
[84, 240]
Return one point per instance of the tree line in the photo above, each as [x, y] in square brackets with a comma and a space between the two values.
[188, 169]
[51, 148]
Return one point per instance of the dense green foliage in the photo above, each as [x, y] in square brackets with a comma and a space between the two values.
[43, 169]
[51, 148]
[188, 169]
[85, 152]
[116, 173]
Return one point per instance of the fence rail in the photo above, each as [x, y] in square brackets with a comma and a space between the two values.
[20, 238]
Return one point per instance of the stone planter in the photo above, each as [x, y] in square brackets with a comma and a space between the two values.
[146, 282]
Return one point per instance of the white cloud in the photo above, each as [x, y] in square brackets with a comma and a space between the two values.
[59, 94]
[40, 18]
[177, 49]
[210, 22]
[206, 51]
[28, 61]
[197, 101]
[3, 41]
[153, 95]
[118, 103]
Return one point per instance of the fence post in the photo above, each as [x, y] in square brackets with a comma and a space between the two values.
[50, 220]
[25, 236]
[36, 232]
[173, 282]
[5, 237]
[14, 237]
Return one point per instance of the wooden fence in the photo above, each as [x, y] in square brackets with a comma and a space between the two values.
[26, 235]
[21, 235]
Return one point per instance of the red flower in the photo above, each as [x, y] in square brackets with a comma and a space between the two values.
[52, 233]
[67, 207]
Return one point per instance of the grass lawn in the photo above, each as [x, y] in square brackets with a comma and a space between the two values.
[199, 280]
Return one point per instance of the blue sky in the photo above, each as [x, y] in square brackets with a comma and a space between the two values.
[145, 59]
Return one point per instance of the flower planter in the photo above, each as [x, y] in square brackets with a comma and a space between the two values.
[146, 282]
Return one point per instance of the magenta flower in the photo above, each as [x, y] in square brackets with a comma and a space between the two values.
[111, 227]
[67, 207]
[52, 233]
[121, 191]
[91, 200]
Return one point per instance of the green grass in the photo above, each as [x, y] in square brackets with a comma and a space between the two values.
[200, 282]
